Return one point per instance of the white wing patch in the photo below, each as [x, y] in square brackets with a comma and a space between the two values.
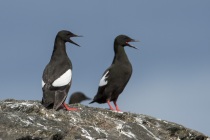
[43, 83]
[103, 81]
[63, 79]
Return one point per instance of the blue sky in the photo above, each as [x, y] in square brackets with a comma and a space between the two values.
[171, 69]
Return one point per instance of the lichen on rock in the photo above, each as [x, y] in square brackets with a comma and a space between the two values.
[29, 120]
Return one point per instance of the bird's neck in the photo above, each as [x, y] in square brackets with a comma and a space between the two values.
[120, 55]
[59, 48]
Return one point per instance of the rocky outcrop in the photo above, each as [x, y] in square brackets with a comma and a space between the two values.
[29, 120]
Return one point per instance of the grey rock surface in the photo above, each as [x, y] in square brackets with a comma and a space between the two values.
[29, 120]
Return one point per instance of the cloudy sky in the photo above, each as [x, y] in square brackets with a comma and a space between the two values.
[171, 69]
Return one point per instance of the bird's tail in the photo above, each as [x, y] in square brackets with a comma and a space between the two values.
[92, 102]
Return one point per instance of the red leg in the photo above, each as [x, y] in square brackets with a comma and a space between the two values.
[111, 108]
[116, 106]
[68, 108]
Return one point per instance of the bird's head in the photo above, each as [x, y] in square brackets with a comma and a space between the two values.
[124, 40]
[78, 97]
[66, 36]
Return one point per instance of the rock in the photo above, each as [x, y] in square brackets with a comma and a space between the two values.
[29, 120]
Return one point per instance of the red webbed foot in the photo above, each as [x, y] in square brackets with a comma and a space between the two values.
[110, 106]
[69, 109]
[116, 106]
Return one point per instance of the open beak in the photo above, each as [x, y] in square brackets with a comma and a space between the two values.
[73, 41]
[132, 40]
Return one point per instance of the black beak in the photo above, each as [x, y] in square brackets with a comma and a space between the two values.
[73, 41]
[132, 40]
[87, 98]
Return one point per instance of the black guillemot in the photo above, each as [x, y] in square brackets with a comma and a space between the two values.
[117, 75]
[77, 97]
[57, 75]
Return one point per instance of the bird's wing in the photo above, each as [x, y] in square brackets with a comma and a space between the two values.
[105, 78]
[103, 84]
[55, 76]
[63, 80]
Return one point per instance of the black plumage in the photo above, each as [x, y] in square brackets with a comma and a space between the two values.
[116, 77]
[56, 78]
[77, 97]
